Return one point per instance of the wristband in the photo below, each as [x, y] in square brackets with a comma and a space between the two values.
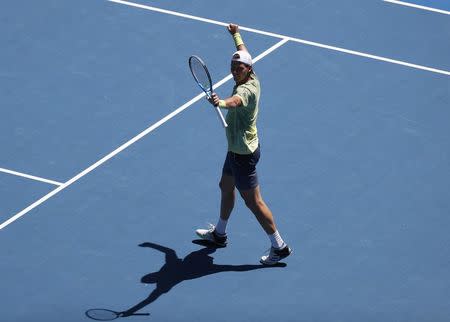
[222, 104]
[237, 39]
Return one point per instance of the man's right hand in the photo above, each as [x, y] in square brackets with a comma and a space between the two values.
[214, 100]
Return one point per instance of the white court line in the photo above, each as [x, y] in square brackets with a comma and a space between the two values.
[130, 142]
[385, 59]
[407, 4]
[306, 42]
[24, 175]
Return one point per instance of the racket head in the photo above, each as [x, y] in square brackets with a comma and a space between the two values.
[201, 74]
[102, 314]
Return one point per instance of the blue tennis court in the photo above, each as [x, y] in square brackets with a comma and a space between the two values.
[111, 159]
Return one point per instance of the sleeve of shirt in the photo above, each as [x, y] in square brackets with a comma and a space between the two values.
[245, 93]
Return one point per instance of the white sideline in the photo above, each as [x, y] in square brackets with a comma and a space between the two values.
[127, 144]
[28, 176]
[303, 41]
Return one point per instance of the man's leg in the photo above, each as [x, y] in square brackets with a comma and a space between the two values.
[256, 204]
[228, 196]
[217, 234]
[253, 200]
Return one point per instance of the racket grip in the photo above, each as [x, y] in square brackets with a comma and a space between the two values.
[222, 119]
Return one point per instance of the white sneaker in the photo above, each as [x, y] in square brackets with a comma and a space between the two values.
[211, 236]
[275, 255]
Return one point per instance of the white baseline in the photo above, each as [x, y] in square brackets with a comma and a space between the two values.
[303, 41]
[412, 5]
[130, 142]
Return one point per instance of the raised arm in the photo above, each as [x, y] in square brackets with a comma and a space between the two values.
[242, 73]
[234, 31]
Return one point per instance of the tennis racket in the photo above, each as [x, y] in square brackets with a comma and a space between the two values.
[203, 79]
[107, 315]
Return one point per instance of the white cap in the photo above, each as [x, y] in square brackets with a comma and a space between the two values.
[243, 57]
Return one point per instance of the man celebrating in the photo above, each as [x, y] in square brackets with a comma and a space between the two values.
[239, 169]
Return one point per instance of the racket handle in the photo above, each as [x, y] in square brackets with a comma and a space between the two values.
[222, 119]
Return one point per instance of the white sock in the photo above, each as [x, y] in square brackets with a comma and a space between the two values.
[276, 240]
[221, 226]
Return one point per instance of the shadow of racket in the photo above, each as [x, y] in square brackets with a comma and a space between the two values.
[108, 315]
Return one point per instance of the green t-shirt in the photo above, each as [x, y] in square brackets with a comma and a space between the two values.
[242, 134]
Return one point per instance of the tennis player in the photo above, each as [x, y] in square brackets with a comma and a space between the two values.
[239, 169]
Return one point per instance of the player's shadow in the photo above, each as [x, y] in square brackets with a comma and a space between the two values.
[176, 270]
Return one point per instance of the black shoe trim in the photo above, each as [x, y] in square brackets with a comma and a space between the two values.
[220, 239]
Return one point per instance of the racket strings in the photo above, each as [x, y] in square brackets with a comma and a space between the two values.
[200, 73]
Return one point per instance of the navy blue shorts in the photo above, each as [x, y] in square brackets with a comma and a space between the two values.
[243, 168]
